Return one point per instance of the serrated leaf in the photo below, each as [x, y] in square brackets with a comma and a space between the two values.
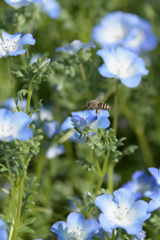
[20, 94]
[89, 166]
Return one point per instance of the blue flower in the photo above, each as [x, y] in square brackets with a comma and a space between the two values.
[3, 230]
[101, 122]
[82, 123]
[155, 173]
[122, 211]
[125, 29]
[122, 64]
[51, 128]
[51, 8]
[139, 236]
[75, 46]
[155, 202]
[21, 3]
[10, 104]
[53, 151]
[14, 126]
[12, 44]
[76, 227]
[141, 185]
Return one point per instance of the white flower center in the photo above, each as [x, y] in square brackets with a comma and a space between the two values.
[6, 130]
[75, 234]
[7, 45]
[120, 214]
[121, 67]
[137, 40]
[115, 33]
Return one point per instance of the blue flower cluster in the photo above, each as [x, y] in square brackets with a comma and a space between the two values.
[118, 211]
[122, 36]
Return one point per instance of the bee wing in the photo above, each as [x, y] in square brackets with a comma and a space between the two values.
[100, 97]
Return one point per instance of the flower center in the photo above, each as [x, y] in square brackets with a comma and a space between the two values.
[6, 130]
[115, 33]
[7, 45]
[120, 214]
[75, 234]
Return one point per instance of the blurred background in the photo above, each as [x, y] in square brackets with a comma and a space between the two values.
[59, 176]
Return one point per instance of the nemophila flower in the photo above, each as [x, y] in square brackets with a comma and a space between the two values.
[101, 122]
[122, 211]
[51, 8]
[21, 3]
[14, 126]
[139, 236]
[54, 151]
[10, 104]
[82, 123]
[75, 46]
[155, 173]
[3, 230]
[51, 128]
[122, 64]
[155, 202]
[141, 185]
[76, 228]
[12, 44]
[125, 29]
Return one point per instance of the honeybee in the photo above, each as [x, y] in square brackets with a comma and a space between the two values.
[95, 104]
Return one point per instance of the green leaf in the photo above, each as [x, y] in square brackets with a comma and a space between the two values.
[89, 166]
[17, 73]
[25, 229]
[20, 94]
[29, 221]
[3, 168]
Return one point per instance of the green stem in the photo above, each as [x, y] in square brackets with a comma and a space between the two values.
[110, 185]
[29, 96]
[11, 185]
[18, 217]
[10, 203]
[119, 231]
[92, 173]
[10, 78]
[115, 110]
[104, 169]
[140, 133]
[88, 92]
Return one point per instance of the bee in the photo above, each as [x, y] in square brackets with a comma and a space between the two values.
[95, 104]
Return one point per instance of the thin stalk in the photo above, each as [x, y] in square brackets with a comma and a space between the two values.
[104, 169]
[140, 134]
[110, 185]
[92, 173]
[119, 231]
[11, 184]
[115, 110]
[29, 97]
[109, 92]
[10, 204]
[18, 217]
[88, 92]
[10, 78]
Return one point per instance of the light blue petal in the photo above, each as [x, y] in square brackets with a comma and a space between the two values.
[133, 228]
[67, 124]
[104, 71]
[51, 7]
[60, 49]
[105, 203]
[156, 195]
[131, 82]
[138, 212]
[91, 119]
[124, 196]
[3, 234]
[25, 134]
[26, 39]
[155, 173]
[20, 119]
[89, 227]
[75, 220]
[152, 206]
[60, 228]
[16, 53]
[107, 224]
[5, 115]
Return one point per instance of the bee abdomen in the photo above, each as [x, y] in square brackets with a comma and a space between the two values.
[104, 106]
